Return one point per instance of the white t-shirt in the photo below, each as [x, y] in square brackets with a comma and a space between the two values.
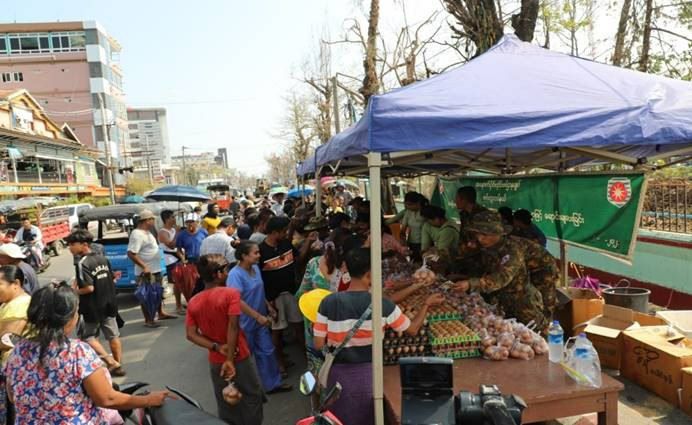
[144, 244]
[219, 243]
[169, 256]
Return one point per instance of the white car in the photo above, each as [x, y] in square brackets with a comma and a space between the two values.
[73, 212]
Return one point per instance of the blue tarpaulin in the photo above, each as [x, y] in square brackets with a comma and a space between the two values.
[520, 96]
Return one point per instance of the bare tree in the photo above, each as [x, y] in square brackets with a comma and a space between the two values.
[282, 166]
[524, 23]
[618, 53]
[482, 21]
[298, 127]
[397, 60]
[646, 37]
[370, 81]
[477, 20]
[318, 76]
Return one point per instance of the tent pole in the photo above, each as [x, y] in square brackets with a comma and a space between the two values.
[375, 164]
[564, 264]
[318, 193]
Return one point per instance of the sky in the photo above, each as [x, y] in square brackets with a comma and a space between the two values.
[221, 68]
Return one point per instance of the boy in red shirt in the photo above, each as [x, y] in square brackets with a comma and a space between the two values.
[212, 323]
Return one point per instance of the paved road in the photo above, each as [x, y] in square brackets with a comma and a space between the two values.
[164, 357]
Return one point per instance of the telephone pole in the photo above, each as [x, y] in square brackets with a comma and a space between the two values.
[106, 143]
[337, 120]
[184, 170]
[150, 171]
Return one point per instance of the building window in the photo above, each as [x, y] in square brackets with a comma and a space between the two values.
[8, 77]
[77, 41]
[32, 43]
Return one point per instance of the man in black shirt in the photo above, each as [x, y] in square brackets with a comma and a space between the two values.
[97, 302]
[277, 262]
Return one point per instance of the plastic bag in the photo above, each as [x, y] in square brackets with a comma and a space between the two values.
[588, 374]
[231, 394]
[587, 282]
[185, 277]
[149, 297]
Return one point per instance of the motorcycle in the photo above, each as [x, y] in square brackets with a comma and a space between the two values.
[180, 410]
[30, 257]
[319, 416]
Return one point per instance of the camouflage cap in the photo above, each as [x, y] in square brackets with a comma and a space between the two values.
[487, 222]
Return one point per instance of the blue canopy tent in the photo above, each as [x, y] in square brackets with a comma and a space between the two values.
[515, 108]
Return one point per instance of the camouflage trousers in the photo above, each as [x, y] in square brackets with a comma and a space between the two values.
[546, 282]
[525, 306]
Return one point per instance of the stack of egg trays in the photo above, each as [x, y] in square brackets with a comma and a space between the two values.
[456, 347]
[395, 342]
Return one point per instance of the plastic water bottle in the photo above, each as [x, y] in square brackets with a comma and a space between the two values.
[556, 341]
[582, 355]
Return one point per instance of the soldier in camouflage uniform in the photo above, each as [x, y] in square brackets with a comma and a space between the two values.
[469, 253]
[543, 273]
[505, 274]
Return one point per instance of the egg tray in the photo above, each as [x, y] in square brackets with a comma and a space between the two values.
[441, 317]
[469, 340]
[394, 359]
[458, 354]
[406, 340]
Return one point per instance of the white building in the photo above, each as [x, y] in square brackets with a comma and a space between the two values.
[149, 146]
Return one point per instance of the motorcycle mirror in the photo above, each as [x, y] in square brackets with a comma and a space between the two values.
[331, 397]
[308, 383]
[9, 339]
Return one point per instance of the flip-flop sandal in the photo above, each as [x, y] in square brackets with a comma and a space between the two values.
[152, 325]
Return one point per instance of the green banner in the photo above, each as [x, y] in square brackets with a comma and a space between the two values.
[597, 211]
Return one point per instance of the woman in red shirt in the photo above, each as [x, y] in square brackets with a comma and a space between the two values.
[212, 323]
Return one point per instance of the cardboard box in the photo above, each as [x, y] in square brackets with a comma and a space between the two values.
[563, 311]
[605, 333]
[648, 320]
[686, 393]
[585, 306]
[654, 359]
[680, 319]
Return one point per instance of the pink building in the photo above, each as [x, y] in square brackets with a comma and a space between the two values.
[69, 67]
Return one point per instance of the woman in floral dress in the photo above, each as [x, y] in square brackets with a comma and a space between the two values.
[52, 379]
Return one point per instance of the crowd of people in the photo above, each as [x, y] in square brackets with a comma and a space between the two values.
[273, 273]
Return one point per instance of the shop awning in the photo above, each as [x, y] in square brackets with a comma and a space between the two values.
[518, 106]
[14, 153]
[50, 157]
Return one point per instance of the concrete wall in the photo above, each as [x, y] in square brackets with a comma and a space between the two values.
[664, 259]
[60, 85]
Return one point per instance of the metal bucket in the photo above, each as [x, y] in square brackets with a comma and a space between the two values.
[635, 298]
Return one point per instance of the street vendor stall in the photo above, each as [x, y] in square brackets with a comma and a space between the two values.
[515, 109]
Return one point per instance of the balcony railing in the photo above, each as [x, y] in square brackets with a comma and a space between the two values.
[668, 206]
[32, 177]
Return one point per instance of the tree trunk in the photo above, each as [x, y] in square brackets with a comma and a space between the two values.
[370, 82]
[619, 51]
[524, 23]
[477, 20]
[646, 38]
